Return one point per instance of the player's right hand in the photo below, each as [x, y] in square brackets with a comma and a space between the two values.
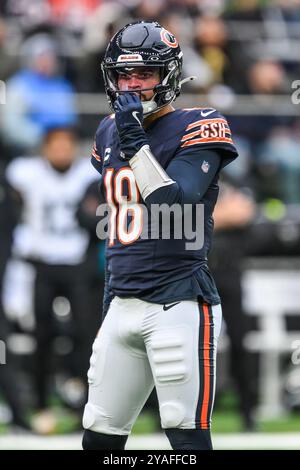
[129, 122]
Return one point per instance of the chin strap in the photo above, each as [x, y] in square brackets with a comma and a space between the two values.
[149, 107]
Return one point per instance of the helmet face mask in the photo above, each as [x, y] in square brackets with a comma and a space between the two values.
[144, 44]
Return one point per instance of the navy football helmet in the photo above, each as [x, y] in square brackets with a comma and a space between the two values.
[144, 44]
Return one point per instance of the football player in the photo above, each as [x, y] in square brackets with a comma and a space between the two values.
[162, 309]
[49, 243]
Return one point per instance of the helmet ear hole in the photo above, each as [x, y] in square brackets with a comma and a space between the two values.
[168, 96]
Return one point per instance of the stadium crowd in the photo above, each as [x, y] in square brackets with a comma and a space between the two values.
[245, 54]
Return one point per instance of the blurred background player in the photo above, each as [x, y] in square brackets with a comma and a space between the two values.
[8, 385]
[49, 238]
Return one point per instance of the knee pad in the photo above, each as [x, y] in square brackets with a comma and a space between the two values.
[171, 414]
[97, 441]
[189, 439]
[97, 420]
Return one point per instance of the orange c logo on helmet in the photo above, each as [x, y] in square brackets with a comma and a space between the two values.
[168, 38]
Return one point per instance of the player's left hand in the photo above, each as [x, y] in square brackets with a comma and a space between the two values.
[129, 122]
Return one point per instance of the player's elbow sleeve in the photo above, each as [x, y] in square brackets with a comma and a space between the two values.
[170, 194]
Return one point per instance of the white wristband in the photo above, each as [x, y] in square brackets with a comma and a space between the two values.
[149, 174]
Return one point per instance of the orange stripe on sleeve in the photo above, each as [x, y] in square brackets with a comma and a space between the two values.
[209, 139]
[95, 155]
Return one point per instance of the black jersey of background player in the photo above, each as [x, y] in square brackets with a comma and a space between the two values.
[158, 270]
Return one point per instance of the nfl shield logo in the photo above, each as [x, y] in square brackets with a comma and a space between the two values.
[205, 166]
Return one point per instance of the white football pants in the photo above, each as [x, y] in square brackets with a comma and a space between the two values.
[141, 344]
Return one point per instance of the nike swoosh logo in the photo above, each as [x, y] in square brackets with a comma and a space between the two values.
[167, 307]
[207, 113]
[134, 114]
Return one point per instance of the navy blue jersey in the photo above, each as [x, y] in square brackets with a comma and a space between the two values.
[158, 270]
